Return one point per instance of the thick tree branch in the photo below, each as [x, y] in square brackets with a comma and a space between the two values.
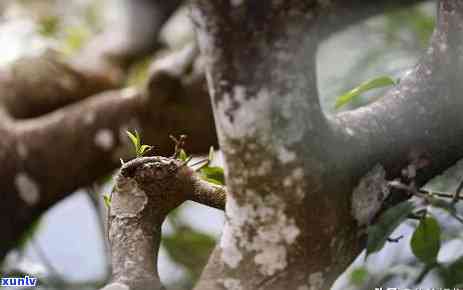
[146, 190]
[34, 86]
[276, 142]
[82, 142]
[419, 121]
[37, 85]
[261, 77]
[208, 194]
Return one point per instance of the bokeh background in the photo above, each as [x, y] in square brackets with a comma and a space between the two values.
[66, 248]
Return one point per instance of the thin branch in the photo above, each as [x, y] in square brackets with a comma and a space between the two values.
[457, 196]
[209, 194]
[146, 190]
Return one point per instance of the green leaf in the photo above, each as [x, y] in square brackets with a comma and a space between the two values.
[213, 174]
[387, 223]
[107, 200]
[28, 233]
[189, 248]
[143, 149]
[359, 276]
[75, 39]
[379, 82]
[182, 155]
[48, 25]
[135, 138]
[425, 242]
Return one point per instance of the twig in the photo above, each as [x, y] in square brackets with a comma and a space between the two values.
[456, 197]
[395, 240]
[179, 144]
[400, 186]
[199, 162]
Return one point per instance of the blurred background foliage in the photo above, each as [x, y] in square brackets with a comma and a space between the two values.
[70, 234]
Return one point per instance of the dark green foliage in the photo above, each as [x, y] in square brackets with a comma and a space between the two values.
[359, 276]
[425, 242]
[452, 274]
[28, 234]
[415, 20]
[189, 248]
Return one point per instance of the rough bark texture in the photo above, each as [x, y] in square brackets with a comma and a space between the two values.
[300, 184]
[292, 218]
[146, 190]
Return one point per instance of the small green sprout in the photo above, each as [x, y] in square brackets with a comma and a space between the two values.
[213, 174]
[107, 200]
[179, 152]
[140, 149]
[182, 155]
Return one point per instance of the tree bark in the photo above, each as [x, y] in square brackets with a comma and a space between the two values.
[299, 203]
[146, 190]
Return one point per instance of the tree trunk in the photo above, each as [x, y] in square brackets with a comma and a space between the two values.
[298, 206]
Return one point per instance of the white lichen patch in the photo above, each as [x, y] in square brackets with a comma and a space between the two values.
[128, 200]
[264, 168]
[28, 189]
[232, 284]
[231, 255]
[285, 156]
[316, 281]
[116, 286]
[241, 115]
[369, 195]
[260, 228]
[104, 138]
[295, 179]
[349, 131]
[266, 258]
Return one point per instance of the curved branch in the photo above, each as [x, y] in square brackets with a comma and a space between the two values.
[34, 86]
[418, 122]
[82, 142]
[208, 194]
[146, 190]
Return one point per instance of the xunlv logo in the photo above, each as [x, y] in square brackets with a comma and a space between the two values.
[18, 282]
